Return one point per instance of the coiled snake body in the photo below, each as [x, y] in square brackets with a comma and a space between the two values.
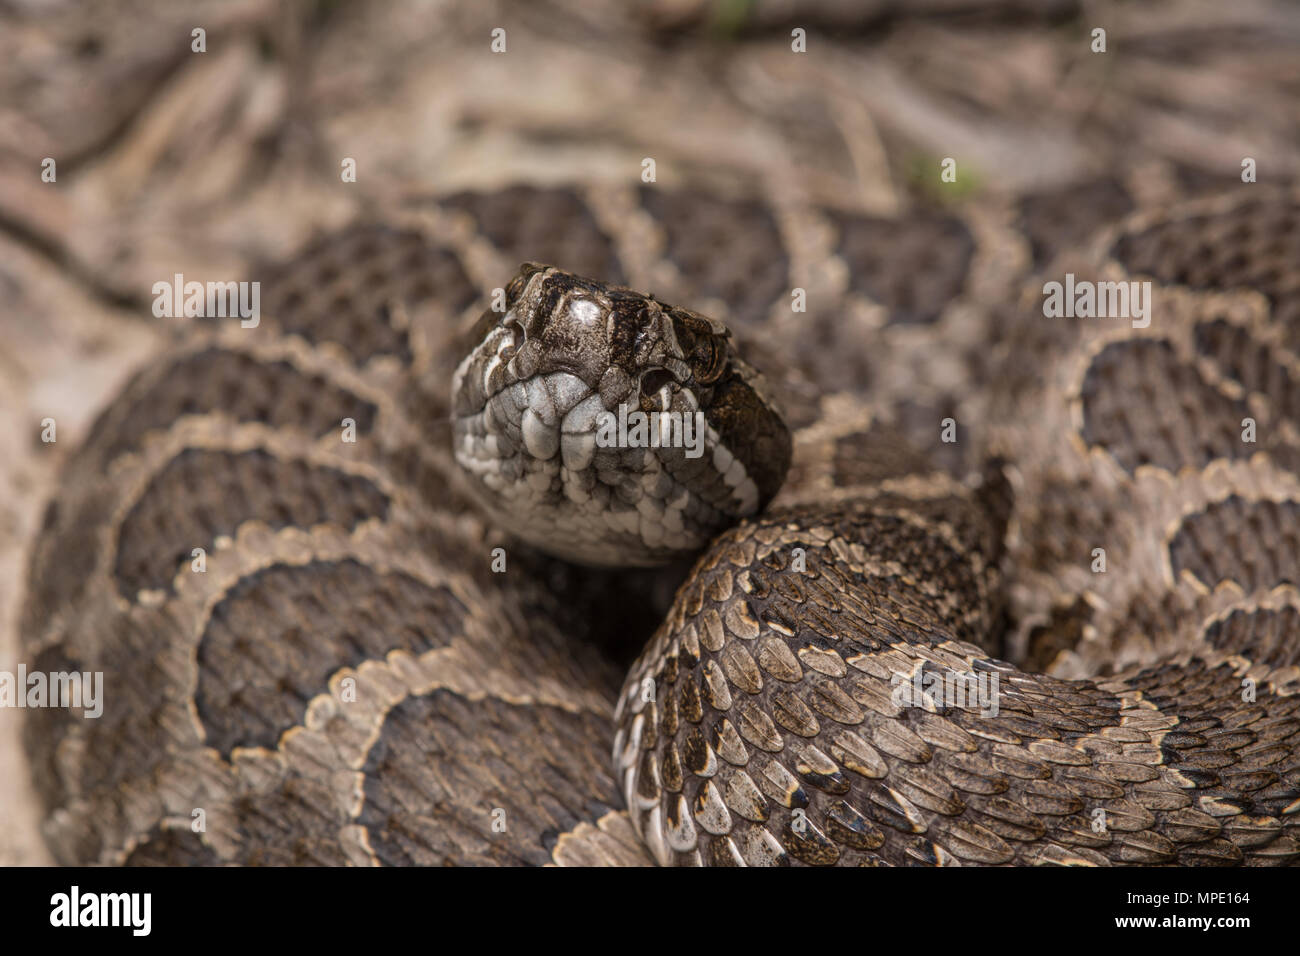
[316, 641]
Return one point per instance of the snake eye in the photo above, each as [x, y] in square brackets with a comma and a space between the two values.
[708, 360]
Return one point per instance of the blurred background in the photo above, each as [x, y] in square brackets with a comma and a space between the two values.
[167, 160]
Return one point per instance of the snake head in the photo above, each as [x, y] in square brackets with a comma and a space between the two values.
[608, 427]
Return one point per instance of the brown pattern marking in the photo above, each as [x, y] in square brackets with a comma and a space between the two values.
[1061, 219]
[1251, 542]
[1266, 635]
[1253, 245]
[234, 385]
[221, 490]
[295, 825]
[532, 224]
[134, 739]
[209, 381]
[1249, 362]
[343, 288]
[913, 267]
[443, 763]
[750, 277]
[1147, 407]
[278, 634]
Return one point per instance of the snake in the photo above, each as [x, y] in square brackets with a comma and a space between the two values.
[359, 578]
[912, 568]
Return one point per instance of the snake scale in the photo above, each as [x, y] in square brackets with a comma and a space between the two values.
[314, 560]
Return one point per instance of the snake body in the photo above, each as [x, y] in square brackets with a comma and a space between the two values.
[347, 672]
[764, 721]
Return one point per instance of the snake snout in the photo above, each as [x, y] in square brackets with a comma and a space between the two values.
[606, 427]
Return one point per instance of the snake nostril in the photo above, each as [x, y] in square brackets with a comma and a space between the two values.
[518, 336]
[652, 384]
[655, 379]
